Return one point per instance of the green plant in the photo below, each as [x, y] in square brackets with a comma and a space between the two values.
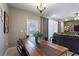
[38, 34]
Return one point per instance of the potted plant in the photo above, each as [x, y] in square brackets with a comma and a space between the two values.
[37, 35]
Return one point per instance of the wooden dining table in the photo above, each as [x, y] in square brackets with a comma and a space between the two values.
[43, 48]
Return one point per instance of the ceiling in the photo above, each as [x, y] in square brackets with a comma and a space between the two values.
[58, 11]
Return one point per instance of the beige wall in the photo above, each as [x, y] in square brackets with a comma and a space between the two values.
[60, 26]
[3, 37]
[17, 23]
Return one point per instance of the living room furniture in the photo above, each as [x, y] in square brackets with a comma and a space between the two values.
[44, 48]
[69, 41]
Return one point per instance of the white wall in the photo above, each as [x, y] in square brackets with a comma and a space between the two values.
[17, 23]
[3, 37]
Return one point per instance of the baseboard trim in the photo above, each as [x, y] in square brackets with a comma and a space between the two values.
[5, 52]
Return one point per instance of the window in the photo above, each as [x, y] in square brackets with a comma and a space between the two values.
[52, 27]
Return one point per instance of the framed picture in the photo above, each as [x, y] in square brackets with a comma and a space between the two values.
[6, 23]
[0, 12]
[1, 15]
[32, 26]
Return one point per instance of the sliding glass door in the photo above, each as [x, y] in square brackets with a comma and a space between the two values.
[52, 27]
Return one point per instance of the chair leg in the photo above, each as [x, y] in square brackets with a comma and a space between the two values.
[73, 54]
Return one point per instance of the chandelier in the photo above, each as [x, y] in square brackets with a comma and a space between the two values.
[41, 7]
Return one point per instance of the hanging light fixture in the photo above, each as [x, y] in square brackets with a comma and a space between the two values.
[76, 16]
[41, 7]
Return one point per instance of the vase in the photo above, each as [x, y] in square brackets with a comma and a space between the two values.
[36, 40]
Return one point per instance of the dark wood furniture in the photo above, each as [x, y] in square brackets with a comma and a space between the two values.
[21, 49]
[43, 49]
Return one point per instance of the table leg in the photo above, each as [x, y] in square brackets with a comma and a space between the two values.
[66, 53]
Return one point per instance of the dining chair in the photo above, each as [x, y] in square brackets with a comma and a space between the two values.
[19, 50]
[20, 46]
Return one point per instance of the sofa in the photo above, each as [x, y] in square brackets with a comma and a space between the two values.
[69, 41]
